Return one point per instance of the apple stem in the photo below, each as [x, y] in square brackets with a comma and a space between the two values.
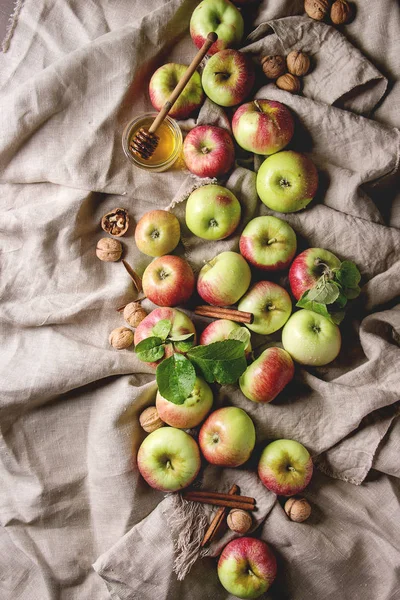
[271, 307]
[291, 469]
[205, 150]
[258, 106]
[168, 464]
[271, 241]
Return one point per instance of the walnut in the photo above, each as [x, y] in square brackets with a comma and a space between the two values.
[134, 313]
[317, 9]
[273, 66]
[289, 83]
[109, 250]
[116, 222]
[149, 419]
[341, 12]
[121, 338]
[297, 509]
[297, 63]
[239, 520]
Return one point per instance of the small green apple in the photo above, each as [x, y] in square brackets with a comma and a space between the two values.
[285, 467]
[212, 212]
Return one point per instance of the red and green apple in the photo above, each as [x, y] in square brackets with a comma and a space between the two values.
[287, 181]
[270, 304]
[169, 459]
[168, 280]
[208, 151]
[157, 233]
[193, 410]
[308, 267]
[227, 437]
[285, 467]
[224, 279]
[212, 212]
[228, 77]
[263, 126]
[266, 377]
[311, 339]
[268, 243]
[247, 567]
[221, 330]
[164, 81]
[221, 17]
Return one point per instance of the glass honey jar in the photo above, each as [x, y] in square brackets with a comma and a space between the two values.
[168, 148]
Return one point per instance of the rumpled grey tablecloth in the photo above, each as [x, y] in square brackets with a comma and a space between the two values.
[70, 496]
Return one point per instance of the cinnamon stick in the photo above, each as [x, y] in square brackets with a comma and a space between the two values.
[218, 312]
[221, 502]
[218, 496]
[218, 520]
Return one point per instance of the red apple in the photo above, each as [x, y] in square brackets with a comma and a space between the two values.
[228, 436]
[269, 303]
[208, 151]
[164, 81]
[219, 331]
[266, 377]
[224, 279]
[247, 567]
[193, 410]
[168, 281]
[181, 325]
[263, 126]
[285, 467]
[308, 267]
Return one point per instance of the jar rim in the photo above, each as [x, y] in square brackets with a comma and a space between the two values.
[162, 165]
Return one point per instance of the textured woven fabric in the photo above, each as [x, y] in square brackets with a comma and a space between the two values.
[70, 494]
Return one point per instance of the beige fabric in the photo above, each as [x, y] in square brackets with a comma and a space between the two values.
[71, 496]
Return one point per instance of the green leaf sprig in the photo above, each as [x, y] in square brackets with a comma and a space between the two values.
[329, 296]
[221, 362]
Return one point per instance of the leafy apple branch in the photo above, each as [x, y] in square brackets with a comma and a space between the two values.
[329, 296]
[221, 362]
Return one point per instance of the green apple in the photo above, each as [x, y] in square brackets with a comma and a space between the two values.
[268, 243]
[287, 181]
[311, 339]
[221, 17]
[227, 437]
[224, 279]
[169, 459]
[192, 412]
[157, 233]
[247, 567]
[270, 304]
[285, 467]
[164, 81]
[228, 77]
[212, 212]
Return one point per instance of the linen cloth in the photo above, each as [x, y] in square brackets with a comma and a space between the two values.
[71, 494]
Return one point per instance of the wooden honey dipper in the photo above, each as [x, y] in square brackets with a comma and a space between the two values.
[145, 141]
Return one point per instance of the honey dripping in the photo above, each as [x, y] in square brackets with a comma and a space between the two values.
[166, 144]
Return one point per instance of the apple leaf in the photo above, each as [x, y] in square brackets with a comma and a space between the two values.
[162, 328]
[223, 362]
[324, 292]
[242, 334]
[317, 307]
[184, 345]
[181, 338]
[353, 292]
[175, 377]
[150, 349]
[337, 316]
[348, 274]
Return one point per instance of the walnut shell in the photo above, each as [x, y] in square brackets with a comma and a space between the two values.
[297, 63]
[341, 12]
[149, 419]
[239, 520]
[297, 509]
[109, 250]
[273, 66]
[134, 313]
[121, 338]
[116, 222]
[289, 83]
[316, 9]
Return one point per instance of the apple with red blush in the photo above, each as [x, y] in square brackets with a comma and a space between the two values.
[208, 151]
[191, 412]
[267, 376]
[212, 212]
[285, 467]
[268, 243]
[228, 77]
[308, 267]
[221, 17]
[269, 303]
[164, 81]
[221, 330]
[247, 567]
[263, 126]
[168, 281]
[224, 279]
